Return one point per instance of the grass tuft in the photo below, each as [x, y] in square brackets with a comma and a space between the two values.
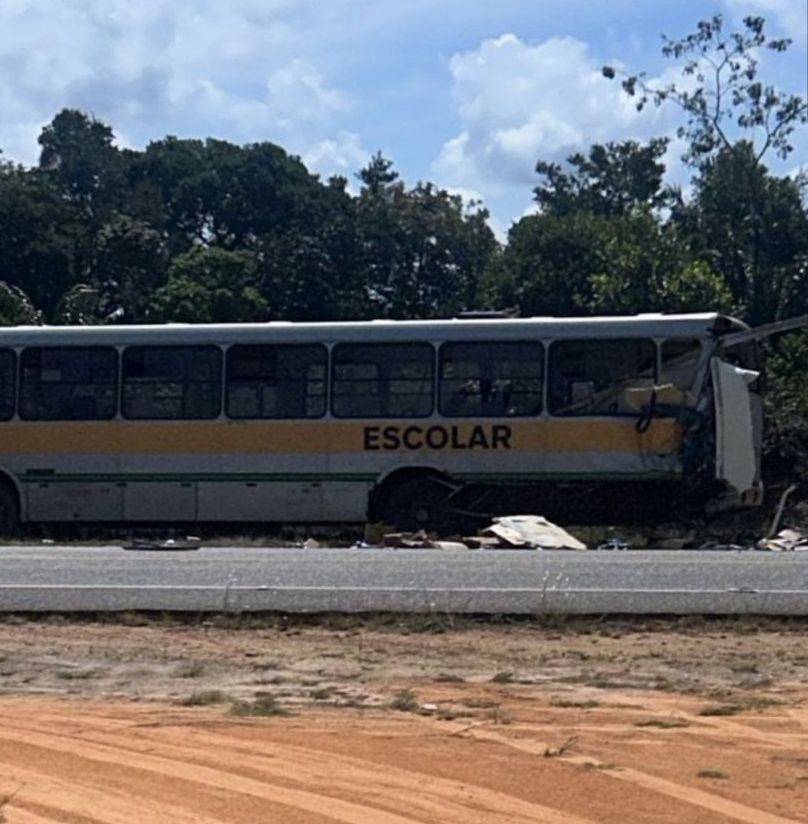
[712, 774]
[264, 704]
[564, 704]
[503, 678]
[663, 723]
[405, 701]
[205, 698]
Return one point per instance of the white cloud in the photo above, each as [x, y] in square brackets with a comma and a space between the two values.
[187, 67]
[789, 15]
[517, 103]
[297, 93]
[344, 155]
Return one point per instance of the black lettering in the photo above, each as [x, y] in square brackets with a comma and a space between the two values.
[391, 438]
[501, 437]
[456, 442]
[478, 438]
[372, 437]
[436, 437]
[413, 430]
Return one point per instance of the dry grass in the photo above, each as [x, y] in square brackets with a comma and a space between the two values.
[710, 773]
[404, 701]
[205, 698]
[264, 704]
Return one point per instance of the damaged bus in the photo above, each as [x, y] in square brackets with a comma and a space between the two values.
[413, 423]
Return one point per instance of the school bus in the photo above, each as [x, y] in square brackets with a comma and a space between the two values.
[406, 422]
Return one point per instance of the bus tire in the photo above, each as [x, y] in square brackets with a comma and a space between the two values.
[416, 503]
[9, 510]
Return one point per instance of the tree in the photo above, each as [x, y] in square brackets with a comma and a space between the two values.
[727, 94]
[744, 222]
[210, 286]
[219, 194]
[613, 179]
[424, 251]
[584, 263]
[79, 154]
[752, 228]
[130, 263]
[39, 234]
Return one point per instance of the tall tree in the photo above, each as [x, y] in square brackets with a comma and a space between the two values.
[721, 93]
[424, 250]
[612, 179]
[752, 228]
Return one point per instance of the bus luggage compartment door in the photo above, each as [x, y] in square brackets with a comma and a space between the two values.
[735, 449]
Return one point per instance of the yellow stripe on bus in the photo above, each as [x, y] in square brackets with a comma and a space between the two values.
[334, 437]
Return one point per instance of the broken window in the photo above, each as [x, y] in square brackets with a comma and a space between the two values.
[596, 377]
[276, 381]
[491, 379]
[383, 380]
[681, 359]
[8, 380]
[70, 383]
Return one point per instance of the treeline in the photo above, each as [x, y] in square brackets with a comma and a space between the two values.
[208, 231]
[205, 231]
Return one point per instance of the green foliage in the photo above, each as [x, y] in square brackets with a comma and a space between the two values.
[612, 180]
[15, 307]
[582, 262]
[786, 408]
[753, 230]
[423, 252]
[210, 285]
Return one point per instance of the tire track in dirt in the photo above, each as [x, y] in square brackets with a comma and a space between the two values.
[438, 799]
[83, 802]
[681, 792]
[435, 799]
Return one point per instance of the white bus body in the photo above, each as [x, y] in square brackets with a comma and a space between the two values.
[300, 422]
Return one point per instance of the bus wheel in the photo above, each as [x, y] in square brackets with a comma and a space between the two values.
[9, 511]
[417, 503]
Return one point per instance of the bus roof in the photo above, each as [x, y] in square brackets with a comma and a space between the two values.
[701, 325]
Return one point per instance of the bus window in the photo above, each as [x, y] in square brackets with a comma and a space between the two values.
[71, 383]
[8, 379]
[491, 379]
[276, 381]
[593, 377]
[383, 380]
[171, 382]
[681, 358]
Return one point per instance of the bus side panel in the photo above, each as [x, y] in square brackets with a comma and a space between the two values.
[260, 500]
[59, 500]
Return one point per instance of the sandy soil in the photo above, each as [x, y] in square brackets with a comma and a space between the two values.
[381, 722]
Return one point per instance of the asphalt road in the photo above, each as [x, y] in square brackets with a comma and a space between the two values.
[70, 578]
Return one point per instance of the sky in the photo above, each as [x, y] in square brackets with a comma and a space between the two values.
[466, 93]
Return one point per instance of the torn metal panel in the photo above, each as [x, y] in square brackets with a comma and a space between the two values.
[736, 455]
[766, 331]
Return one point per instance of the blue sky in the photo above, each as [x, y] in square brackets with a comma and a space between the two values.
[468, 93]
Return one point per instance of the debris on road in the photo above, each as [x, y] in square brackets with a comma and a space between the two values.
[169, 545]
[787, 540]
[613, 544]
[531, 532]
[510, 532]
[408, 540]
